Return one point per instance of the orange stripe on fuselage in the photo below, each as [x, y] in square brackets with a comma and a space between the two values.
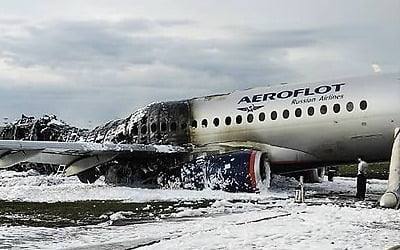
[251, 170]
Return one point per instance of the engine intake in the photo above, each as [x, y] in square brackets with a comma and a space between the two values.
[238, 171]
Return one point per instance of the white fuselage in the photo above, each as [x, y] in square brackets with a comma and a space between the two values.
[361, 115]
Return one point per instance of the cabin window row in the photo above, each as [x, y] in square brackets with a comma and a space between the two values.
[298, 112]
[154, 127]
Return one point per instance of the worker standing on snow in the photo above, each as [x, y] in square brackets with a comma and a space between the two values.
[361, 179]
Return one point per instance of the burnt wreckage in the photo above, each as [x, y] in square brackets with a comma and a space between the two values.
[46, 128]
[164, 123]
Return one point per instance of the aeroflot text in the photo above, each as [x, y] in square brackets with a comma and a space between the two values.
[285, 94]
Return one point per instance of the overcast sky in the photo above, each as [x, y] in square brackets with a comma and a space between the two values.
[99, 60]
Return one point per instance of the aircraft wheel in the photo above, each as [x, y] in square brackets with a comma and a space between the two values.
[314, 176]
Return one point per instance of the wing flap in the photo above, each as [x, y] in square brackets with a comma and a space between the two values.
[88, 162]
[11, 157]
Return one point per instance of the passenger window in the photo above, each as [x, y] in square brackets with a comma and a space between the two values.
[228, 120]
[310, 111]
[323, 109]
[363, 105]
[274, 115]
[261, 117]
[349, 106]
[204, 123]
[286, 114]
[298, 112]
[216, 122]
[194, 124]
[153, 127]
[163, 126]
[143, 130]
[135, 130]
[250, 118]
[239, 119]
[336, 108]
[173, 126]
[183, 126]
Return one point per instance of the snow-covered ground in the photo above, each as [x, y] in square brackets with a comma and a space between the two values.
[330, 218]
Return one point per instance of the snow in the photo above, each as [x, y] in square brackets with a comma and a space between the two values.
[268, 220]
[56, 122]
[15, 186]
[165, 148]
[120, 215]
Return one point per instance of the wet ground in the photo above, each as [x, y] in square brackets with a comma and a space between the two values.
[83, 213]
[52, 212]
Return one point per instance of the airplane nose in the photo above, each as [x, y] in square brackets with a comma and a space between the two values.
[388, 200]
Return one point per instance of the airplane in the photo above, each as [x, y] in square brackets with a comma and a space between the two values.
[234, 141]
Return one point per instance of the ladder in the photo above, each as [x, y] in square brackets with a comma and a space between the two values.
[61, 170]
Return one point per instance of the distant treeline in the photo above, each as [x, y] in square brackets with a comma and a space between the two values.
[375, 170]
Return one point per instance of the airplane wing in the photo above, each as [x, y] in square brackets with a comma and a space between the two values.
[76, 156]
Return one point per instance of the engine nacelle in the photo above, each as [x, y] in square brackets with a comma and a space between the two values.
[238, 171]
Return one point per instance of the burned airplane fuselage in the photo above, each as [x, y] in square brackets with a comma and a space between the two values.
[289, 127]
[164, 123]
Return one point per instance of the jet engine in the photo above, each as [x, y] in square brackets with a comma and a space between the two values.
[238, 171]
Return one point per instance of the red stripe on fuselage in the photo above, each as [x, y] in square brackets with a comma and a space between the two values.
[251, 169]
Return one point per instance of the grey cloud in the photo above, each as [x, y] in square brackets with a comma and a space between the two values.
[99, 54]
[100, 45]
[11, 21]
[95, 46]
[73, 44]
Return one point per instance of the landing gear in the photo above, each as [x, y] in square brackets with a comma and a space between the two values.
[331, 173]
[313, 175]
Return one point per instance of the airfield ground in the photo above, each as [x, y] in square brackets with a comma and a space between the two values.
[52, 212]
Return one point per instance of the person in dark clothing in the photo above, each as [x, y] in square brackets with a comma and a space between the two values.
[361, 179]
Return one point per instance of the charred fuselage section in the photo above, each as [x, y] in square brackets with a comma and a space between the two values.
[164, 123]
[45, 128]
